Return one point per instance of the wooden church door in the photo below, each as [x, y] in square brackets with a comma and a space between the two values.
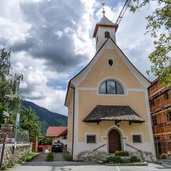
[114, 141]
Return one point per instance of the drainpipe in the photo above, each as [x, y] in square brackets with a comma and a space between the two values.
[73, 122]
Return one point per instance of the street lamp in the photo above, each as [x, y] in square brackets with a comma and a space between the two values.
[17, 121]
[5, 115]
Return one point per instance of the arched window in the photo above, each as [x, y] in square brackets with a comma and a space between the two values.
[107, 34]
[110, 87]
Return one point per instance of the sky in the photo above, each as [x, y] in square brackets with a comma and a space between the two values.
[51, 41]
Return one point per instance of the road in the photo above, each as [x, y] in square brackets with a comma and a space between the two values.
[77, 166]
[39, 164]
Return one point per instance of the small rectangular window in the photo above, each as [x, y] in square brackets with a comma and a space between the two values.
[64, 137]
[166, 96]
[137, 138]
[91, 138]
[152, 103]
[154, 120]
[169, 116]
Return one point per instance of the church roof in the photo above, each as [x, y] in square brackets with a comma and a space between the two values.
[104, 22]
[113, 113]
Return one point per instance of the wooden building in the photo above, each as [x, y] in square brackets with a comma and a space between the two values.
[160, 106]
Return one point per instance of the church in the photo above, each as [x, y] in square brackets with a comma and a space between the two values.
[107, 101]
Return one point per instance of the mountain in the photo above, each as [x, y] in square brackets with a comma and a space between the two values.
[46, 117]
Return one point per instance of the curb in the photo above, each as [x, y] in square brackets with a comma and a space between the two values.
[128, 164]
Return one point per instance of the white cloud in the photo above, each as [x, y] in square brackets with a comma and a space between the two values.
[53, 100]
[38, 73]
[59, 34]
[12, 25]
[34, 87]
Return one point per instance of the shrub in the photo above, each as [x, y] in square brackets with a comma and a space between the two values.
[50, 157]
[134, 159]
[114, 159]
[163, 156]
[68, 156]
[27, 157]
[6, 166]
[125, 160]
[121, 153]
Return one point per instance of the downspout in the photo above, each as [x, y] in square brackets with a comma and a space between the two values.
[73, 123]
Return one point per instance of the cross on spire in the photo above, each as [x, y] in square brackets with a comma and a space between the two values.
[103, 4]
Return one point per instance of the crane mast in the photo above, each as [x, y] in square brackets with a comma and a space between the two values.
[126, 5]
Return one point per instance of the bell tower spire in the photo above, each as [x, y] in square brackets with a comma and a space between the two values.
[103, 11]
[104, 29]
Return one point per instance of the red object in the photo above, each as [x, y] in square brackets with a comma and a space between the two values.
[40, 148]
[55, 131]
[6, 139]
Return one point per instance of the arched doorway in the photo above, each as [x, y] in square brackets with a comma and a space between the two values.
[114, 141]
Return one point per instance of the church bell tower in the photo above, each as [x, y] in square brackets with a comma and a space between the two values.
[103, 30]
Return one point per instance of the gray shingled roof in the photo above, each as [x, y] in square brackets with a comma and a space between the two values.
[115, 113]
[105, 21]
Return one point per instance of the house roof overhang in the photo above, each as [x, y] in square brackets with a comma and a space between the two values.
[55, 131]
[113, 113]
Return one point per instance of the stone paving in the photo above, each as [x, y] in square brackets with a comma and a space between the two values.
[42, 157]
[57, 166]
[39, 164]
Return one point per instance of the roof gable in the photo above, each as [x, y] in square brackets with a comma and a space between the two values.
[109, 43]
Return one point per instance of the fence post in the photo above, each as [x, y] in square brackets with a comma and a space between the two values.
[2, 152]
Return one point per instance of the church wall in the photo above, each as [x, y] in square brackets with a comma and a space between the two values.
[91, 99]
[135, 95]
[102, 70]
[70, 125]
[88, 100]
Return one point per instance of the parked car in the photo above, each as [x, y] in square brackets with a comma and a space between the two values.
[57, 147]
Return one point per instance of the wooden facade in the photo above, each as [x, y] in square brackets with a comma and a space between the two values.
[160, 107]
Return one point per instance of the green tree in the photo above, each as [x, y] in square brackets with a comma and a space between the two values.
[9, 84]
[29, 121]
[159, 26]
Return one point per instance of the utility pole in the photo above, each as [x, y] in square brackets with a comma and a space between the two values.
[6, 115]
[12, 96]
[3, 150]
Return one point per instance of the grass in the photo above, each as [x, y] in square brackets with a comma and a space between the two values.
[50, 157]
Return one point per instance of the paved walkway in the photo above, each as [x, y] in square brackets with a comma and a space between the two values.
[42, 157]
[40, 164]
[77, 166]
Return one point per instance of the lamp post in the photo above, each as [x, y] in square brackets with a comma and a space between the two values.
[17, 121]
[6, 115]
[16, 125]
